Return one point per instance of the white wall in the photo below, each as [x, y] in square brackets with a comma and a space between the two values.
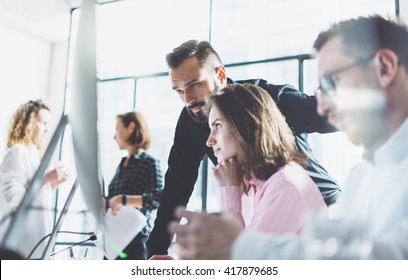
[31, 67]
[404, 10]
[24, 68]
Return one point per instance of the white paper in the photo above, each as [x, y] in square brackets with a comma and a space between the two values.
[122, 228]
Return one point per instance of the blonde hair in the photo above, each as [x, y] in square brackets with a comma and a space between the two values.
[22, 123]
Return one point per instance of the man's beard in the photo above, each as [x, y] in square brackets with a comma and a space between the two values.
[199, 117]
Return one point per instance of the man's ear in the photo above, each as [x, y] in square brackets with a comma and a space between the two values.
[221, 74]
[386, 62]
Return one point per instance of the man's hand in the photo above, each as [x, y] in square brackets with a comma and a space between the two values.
[161, 257]
[205, 236]
[56, 176]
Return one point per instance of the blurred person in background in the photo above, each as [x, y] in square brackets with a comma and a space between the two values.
[25, 141]
[138, 179]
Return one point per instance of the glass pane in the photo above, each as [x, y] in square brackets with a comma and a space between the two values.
[114, 97]
[161, 106]
[283, 72]
[133, 37]
[250, 30]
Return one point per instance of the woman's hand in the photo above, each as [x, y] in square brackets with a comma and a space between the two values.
[115, 203]
[227, 173]
[56, 176]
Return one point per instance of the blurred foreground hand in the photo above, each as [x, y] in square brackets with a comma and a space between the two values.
[205, 236]
[161, 257]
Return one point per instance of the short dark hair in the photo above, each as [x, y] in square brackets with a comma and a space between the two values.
[141, 135]
[201, 50]
[364, 36]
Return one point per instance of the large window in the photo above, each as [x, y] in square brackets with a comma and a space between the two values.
[133, 37]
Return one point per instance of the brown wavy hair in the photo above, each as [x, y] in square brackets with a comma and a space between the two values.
[141, 135]
[22, 123]
[265, 141]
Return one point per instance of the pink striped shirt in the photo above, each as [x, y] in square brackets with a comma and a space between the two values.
[277, 205]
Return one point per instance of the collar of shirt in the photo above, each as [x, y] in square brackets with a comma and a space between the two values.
[132, 158]
[138, 155]
[254, 184]
[395, 149]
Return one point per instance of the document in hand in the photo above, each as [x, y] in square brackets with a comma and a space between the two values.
[122, 228]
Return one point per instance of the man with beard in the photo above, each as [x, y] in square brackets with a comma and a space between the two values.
[363, 71]
[196, 71]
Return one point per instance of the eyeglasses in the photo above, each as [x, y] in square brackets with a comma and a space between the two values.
[327, 85]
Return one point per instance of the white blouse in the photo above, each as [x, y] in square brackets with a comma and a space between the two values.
[17, 169]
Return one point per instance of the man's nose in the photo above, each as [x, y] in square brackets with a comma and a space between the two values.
[188, 98]
[324, 105]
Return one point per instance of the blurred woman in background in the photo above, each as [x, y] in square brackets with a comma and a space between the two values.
[138, 179]
[26, 138]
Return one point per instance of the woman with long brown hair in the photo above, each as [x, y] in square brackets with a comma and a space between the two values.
[259, 168]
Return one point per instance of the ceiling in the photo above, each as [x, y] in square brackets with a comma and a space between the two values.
[38, 9]
[45, 19]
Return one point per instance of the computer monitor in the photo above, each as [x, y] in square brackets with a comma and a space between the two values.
[83, 116]
[83, 120]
